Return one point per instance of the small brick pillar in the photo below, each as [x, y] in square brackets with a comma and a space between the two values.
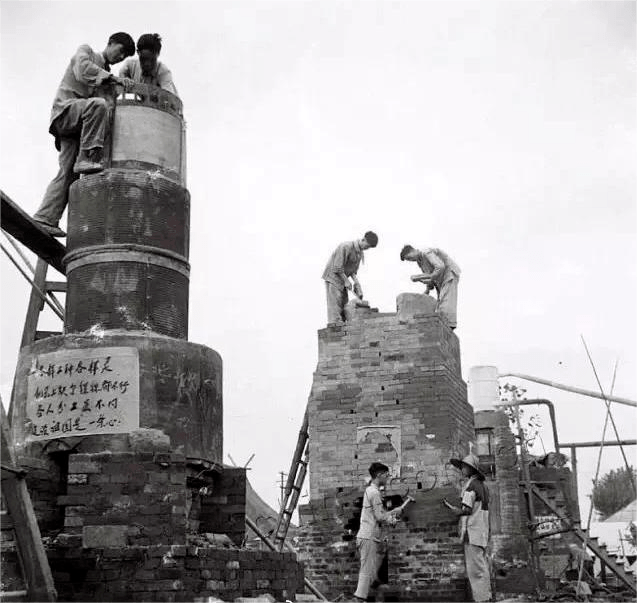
[508, 536]
[387, 387]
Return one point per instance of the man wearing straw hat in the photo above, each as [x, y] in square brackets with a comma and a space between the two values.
[474, 525]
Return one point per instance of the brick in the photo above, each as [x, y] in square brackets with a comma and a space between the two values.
[101, 536]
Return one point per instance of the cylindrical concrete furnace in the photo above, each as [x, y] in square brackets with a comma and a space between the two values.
[124, 362]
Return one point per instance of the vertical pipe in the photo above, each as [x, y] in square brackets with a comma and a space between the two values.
[574, 466]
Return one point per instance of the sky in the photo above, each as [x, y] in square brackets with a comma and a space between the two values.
[501, 132]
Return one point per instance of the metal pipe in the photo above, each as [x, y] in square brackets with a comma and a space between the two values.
[266, 540]
[529, 499]
[568, 388]
[551, 413]
[596, 444]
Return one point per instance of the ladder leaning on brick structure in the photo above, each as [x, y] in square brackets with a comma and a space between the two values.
[17, 224]
[296, 477]
[600, 551]
[41, 292]
[32, 557]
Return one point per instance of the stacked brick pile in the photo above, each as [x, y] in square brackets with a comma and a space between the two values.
[387, 387]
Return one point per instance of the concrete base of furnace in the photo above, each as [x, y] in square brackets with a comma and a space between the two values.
[172, 386]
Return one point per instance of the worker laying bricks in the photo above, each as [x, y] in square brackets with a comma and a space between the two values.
[79, 119]
[368, 542]
[343, 265]
[146, 68]
[474, 526]
[439, 272]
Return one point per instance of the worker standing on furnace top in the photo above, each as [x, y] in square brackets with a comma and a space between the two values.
[343, 265]
[439, 272]
[146, 68]
[79, 119]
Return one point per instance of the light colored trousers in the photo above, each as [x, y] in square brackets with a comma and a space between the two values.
[371, 554]
[336, 301]
[81, 126]
[448, 301]
[477, 565]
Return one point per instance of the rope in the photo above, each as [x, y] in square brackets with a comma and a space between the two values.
[630, 474]
[597, 470]
[599, 460]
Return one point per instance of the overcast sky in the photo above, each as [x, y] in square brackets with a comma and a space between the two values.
[502, 132]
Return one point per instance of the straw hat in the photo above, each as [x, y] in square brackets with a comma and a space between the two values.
[470, 460]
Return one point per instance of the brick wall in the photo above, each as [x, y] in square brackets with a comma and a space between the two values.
[387, 387]
[168, 573]
[140, 496]
[128, 520]
[224, 512]
[510, 529]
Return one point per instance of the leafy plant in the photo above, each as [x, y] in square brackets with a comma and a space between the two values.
[613, 491]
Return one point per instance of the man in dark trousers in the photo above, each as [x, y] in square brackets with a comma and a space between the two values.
[79, 119]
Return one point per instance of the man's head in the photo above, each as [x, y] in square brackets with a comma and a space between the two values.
[469, 465]
[120, 45]
[379, 473]
[148, 49]
[370, 239]
[408, 253]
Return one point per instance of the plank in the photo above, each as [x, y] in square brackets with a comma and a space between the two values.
[24, 228]
[33, 559]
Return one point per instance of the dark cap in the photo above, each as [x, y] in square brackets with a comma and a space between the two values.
[404, 251]
[371, 238]
[375, 468]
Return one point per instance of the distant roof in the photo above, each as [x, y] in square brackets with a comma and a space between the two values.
[628, 513]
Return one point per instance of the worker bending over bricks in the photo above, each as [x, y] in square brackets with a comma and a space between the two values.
[79, 119]
[343, 265]
[368, 540]
[439, 272]
[474, 526]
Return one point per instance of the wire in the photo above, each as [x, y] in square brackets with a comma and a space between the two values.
[599, 457]
[630, 474]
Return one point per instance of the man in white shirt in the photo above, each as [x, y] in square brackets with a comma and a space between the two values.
[146, 68]
[439, 271]
[373, 515]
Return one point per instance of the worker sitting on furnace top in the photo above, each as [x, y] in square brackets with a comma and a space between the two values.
[79, 119]
[145, 68]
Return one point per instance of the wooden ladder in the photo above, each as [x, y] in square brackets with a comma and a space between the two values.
[600, 551]
[32, 558]
[296, 477]
[41, 289]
